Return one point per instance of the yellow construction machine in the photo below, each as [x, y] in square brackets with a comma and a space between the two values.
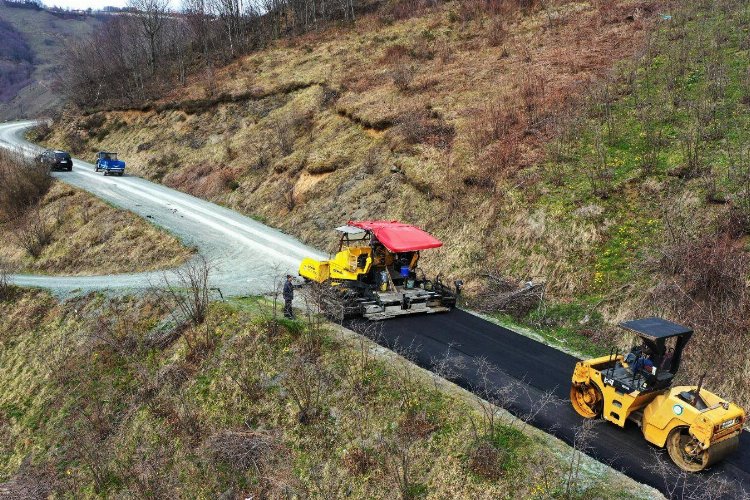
[697, 427]
[375, 273]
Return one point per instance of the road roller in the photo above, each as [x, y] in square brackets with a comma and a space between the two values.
[697, 427]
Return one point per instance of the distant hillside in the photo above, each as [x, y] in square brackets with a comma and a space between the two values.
[30, 55]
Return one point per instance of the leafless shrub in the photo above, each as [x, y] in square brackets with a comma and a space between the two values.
[371, 160]
[402, 76]
[532, 90]
[284, 136]
[287, 128]
[416, 424]
[485, 460]
[358, 460]
[190, 292]
[23, 183]
[597, 169]
[711, 268]
[397, 463]
[424, 127]
[497, 121]
[32, 232]
[497, 33]
[581, 446]
[305, 382]
[491, 398]
[241, 450]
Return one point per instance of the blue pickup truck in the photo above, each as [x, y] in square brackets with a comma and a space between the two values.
[109, 163]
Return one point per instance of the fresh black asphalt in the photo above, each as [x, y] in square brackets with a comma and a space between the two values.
[533, 371]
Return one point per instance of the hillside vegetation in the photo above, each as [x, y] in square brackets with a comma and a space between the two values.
[416, 118]
[99, 400]
[600, 146]
[38, 41]
[49, 227]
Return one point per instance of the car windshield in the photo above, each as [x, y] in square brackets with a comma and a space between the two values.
[110, 156]
[62, 156]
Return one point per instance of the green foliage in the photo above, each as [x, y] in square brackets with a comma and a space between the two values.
[513, 442]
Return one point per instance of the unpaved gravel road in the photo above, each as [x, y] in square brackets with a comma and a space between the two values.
[246, 256]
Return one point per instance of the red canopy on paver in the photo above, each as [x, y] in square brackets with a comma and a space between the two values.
[398, 237]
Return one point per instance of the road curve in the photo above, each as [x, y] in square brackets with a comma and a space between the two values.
[246, 256]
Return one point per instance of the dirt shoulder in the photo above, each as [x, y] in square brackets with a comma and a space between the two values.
[86, 236]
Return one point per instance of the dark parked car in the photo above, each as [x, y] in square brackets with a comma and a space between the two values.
[56, 160]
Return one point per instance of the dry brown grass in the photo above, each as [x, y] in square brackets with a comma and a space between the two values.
[467, 124]
[83, 235]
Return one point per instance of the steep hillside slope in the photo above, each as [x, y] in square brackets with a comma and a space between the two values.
[421, 119]
[98, 402]
[45, 34]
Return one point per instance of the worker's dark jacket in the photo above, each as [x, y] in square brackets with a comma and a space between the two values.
[288, 291]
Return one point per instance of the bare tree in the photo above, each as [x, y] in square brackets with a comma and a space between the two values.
[190, 291]
[152, 15]
[33, 232]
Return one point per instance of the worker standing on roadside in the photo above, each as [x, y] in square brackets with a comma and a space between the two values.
[288, 297]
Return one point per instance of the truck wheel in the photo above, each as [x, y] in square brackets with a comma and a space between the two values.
[587, 400]
[120, 173]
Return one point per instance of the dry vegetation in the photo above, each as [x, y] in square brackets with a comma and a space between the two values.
[406, 117]
[246, 405]
[52, 228]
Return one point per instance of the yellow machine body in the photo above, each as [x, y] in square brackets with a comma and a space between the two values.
[348, 264]
[668, 417]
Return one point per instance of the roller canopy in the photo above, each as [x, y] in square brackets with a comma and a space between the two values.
[398, 237]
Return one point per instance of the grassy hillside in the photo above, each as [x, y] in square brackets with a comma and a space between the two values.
[601, 146]
[244, 405]
[419, 119]
[85, 236]
[46, 35]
